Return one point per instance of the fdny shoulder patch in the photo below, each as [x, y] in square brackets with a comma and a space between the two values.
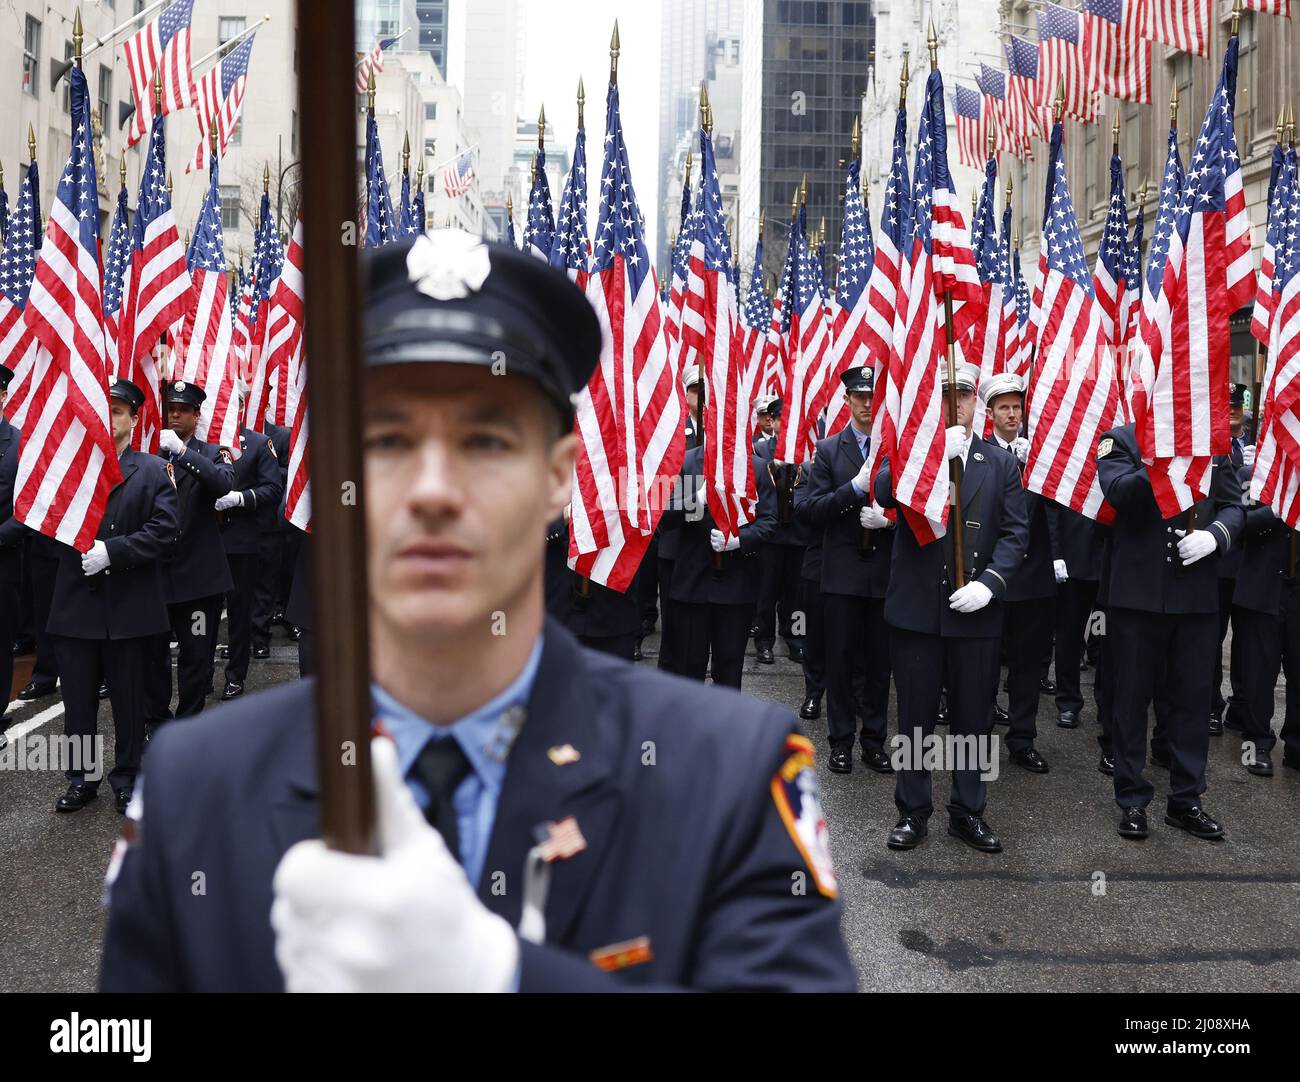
[798, 800]
[1105, 447]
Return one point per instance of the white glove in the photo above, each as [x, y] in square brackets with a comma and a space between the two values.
[863, 479]
[170, 442]
[1060, 570]
[95, 560]
[229, 500]
[956, 437]
[1020, 448]
[1195, 545]
[970, 598]
[872, 518]
[1248, 455]
[405, 921]
[721, 543]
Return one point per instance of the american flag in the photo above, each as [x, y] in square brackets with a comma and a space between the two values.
[1184, 24]
[711, 327]
[1121, 56]
[1269, 7]
[68, 463]
[539, 225]
[284, 333]
[1025, 115]
[1182, 413]
[297, 497]
[381, 226]
[419, 218]
[1112, 280]
[164, 44]
[405, 227]
[373, 61]
[459, 175]
[629, 457]
[849, 345]
[1062, 58]
[119, 251]
[777, 347]
[155, 290]
[986, 345]
[968, 109]
[268, 259]
[677, 283]
[570, 247]
[940, 262]
[1075, 395]
[1263, 312]
[1025, 344]
[807, 350]
[981, 224]
[220, 95]
[242, 321]
[993, 89]
[756, 316]
[209, 358]
[17, 268]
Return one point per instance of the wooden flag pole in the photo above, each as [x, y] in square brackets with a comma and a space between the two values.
[327, 105]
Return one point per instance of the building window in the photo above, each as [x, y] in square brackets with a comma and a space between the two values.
[32, 57]
[1090, 160]
[230, 206]
[1248, 87]
[429, 144]
[430, 110]
[228, 27]
[67, 82]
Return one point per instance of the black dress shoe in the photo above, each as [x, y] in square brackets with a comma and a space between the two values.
[1216, 726]
[103, 691]
[765, 656]
[753, 630]
[232, 691]
[1000, 716]
[122, 800]
[1291, 759]
[24, 646]
[841, 761]
[295, 633]
[1067, 719]
[1261, 765]
[796, 654]
[908, 833]
[34, 691]
[1046, 686]
[261, 652]
[877, 760]
[223, 652]
[1196, 822]
[79, 794]
[974, 832]
[1160, 759]
[1030, 760]
[1106, 764]
[1133, 823]
[811, 709]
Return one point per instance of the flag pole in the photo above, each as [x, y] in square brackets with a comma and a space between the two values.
[60, 68]
[362, 59]
[327, 105]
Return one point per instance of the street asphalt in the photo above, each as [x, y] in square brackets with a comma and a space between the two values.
[1067, 906]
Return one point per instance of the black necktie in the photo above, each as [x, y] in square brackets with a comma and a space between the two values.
[441, 767]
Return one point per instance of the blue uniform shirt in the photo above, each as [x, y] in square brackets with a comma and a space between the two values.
[476, 798]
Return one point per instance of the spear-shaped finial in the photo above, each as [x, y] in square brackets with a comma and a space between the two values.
[855, 140]
[1173, 107]
[31, 143]
[1059, 110]
[974, 202]
[121, 169]
[1290, 124]
[762, 215]
[1281, 125]
[705, 120]
[582, 101]
[1114, 134]
[406, 154]
[1015, 239]
[541, 128]
[1236, 18]
[419, 176]
[794, 205]
[1008, 190]
[510, 207]
[1142, 196]
[932, 43]
[169, 184]
[266, 178]
[212, 139]
[2, 176]
[613, 54]
[991, 142]
[370, 91]
[903, 79]
[803, 191]
[821, 230]
[687, 182]
[157, 91]
[78, 36]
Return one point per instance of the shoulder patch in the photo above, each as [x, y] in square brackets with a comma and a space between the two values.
[171, 473]
[798, 800]
[271, 447]
[224, 455]
[1105, 447]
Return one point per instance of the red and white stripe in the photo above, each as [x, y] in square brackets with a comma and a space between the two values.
[1120, 55]
[1184, 24]
[1060, 62]
[273, 382]
[1269, 7]
[211, 108]
[145, 55]
[297, 497]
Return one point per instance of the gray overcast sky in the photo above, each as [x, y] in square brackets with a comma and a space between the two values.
[570, 38]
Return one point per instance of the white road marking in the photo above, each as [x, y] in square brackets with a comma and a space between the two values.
[34, 722]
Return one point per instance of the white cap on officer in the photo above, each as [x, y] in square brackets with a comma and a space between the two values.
[692, 376]
[1002, 383]
[968, 376]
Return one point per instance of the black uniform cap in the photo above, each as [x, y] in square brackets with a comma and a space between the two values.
[129, 393]
[188, 394]
[1237, 394]
[6, 375]
[447, 297]
[856, 379]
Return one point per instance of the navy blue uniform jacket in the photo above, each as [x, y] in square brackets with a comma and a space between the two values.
[12, 531]
[1076, 539]
[795, 532]
[692, 853]
[197, 567]
[996, 532]
[128, 599]
[1145, 571]
[271, 519]
[831, 508]
[603, 613]
[257, 479]
[1266, 551]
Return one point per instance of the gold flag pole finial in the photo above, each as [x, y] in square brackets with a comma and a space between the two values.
[1015, 240]
[932, 44]
[406, 154]
[541, 128]
[370, 91]
[510, 207]
[1236, 18]
[974, 203]
[1059, 109]
[803, 191]
[1290, 124]
[821, 230]
[157, 91]
[794, 205]
[903, 79]
[687, 182]
[121, 169]
[762, 215]
[613, 54]
[1173, 107]
[1114, 135]
[266, 178]
[78, 37]
[855, 140]
[2, 176]
[991, 143]
[582, 101]
[31, 143]
[419, 176]
[1008, 191]
[169, 185]
[212, 140]
[1142, 197]
[1281, 125]
[706, 111]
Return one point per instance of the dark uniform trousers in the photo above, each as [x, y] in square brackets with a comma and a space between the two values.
[194, 627]
[669, 541]
[714, 604]
[1028, 625]
[814, 642]
[104, 626]
[933, 647]
[600, 618]
[1075, 601]
[1228, 567]
[42, 568]
[854, 581]
[1162, 622]
[274, 533]
[244, 568]
[780, 593]
[12, 535]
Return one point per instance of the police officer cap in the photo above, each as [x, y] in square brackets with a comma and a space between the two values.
[691, 376]
[968, 376]
[6, 375]
[1002, 383]
[187, 394]
[129, 393]
[769, 405]
[1237, 394]
[446, 296]
[856, 379]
